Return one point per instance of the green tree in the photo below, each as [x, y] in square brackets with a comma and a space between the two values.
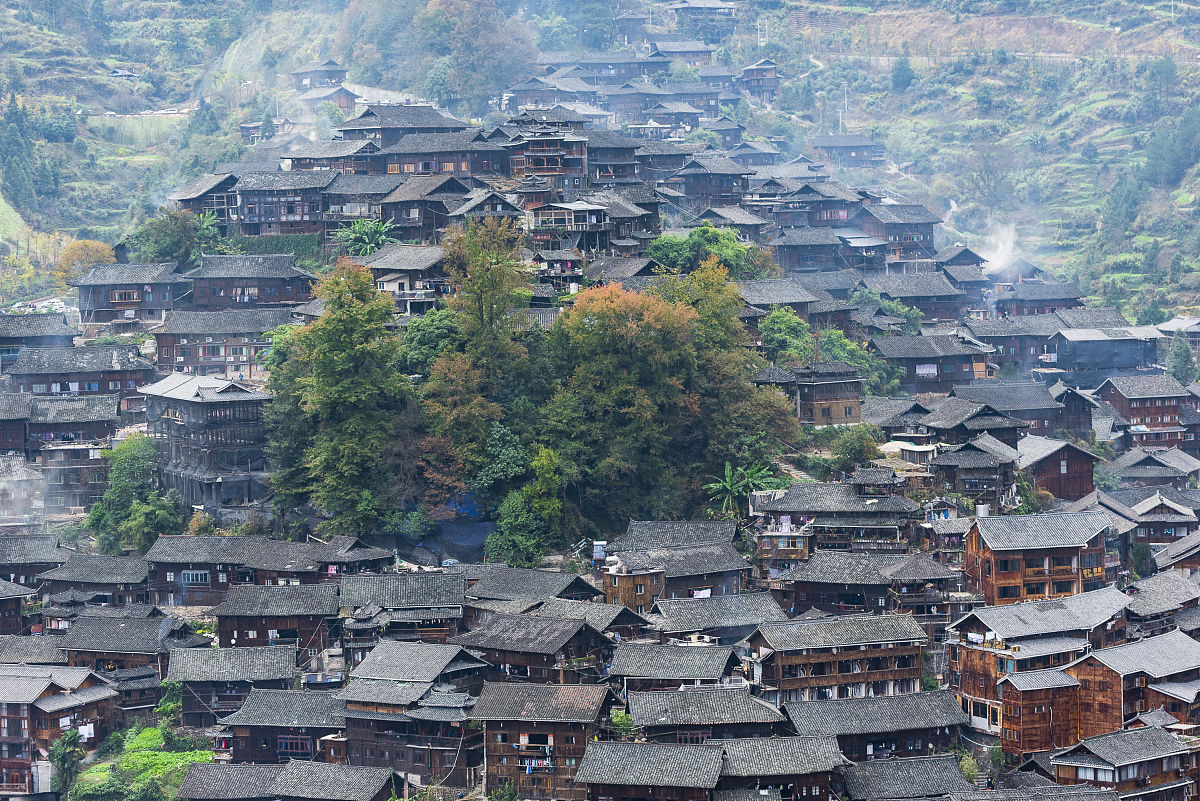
[439, 81]
[364, 237]
[176, 235]
[881, 377]
[623, 724]
[856, 446]
[357, 411]
[266, 128]
[743, 261]
[505, 793]
[65, 755]
[1181, 362]
[786, 338]
[682, 72]
[147, 520]
[1152, 313]
[902, 74]
[969, 767]
[132, 464]
[427, 337]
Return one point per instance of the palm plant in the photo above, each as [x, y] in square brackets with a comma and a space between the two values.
[364, 237]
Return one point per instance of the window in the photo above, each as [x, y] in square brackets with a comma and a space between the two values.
[251, 635]
[194, 576]
[117, 384]
[1062, 466]
[639, 588]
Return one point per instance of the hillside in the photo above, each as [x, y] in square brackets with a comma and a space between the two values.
[1055, 130]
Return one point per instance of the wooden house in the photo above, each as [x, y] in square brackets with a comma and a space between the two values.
[319, 73]
[807, 249]
[557, 156]
[312, 100]
[92, 370]
[67, 438]
[270, 203]
[1036, 557]
[1036, 298]
[615, 620]
[612, 160]
[423, 204]
[298, 780]
[216, 681]
[935, 363]
[39, 704]
[109, 580]
[689, 51]
[229, 343]
[660, 160]
[23, 557]
[637, 578]
[385, 125]
[347, 157]
[536, 735]
[905, 777]
[915, 724]
[1141, 467]
[725, 619]
[33, 331]
[226, 465]
[707, 181]
[303, 615]
[407, 708]
[1146, 762]
[224, 282]
[930, 293]
[403, 606]
[462, 154]
[1041, 712]
[983, 469]
[1030, 401]
[906, 227]
[845, 517]
[845, 657]
[414, 275]
[847, 150]
[652, 771]
[760, 79]
[697, 714]
[1152, 404]
[645, 666]
[780, 767]
[770, 292]
[21, 496]
[274, 726]
[13, 598]
[1061, 468]
[539, 649]
[1162, 602]
[119, 643]
[991, 642]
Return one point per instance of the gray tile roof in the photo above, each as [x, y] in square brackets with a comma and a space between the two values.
[289, 708]
[598, 615]
[1081, 612]
[121, 635]
[684, 662]
[1146, 386]
[1031, 291]
[560, 703]
[1038, 679]
[1162, 592]
[111, 274]
[645, 534]
[226, 321]
[694, 560]
[331, 149]
[10, 590]
[324, 781]
[878, 715]
[401, 116]
[32, 549]
[774, 292]
[651, 764]
[1124, 747]
[1158, 657]
[247, 600]
[404, 590]
[74, 409]
[96, 569]
[15, 405]
[815, 498]
[700, 707]
[719, 611]
[1054, 530]
[354, 184]
[273, 265]
[781, 756]
[1008, 396]
[512, 583]
[921, 347]
[954, 412]
[28, 649]
[264, 663]
[910, 777]
[205, 389]
[912, 285]
[89, 359]
[411, 661]
[793, 635]
[283, 181]
[847, 567]
[381, 691]
[404, 258]
[525, 633]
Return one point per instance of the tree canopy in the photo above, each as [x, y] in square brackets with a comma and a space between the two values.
[742, 260]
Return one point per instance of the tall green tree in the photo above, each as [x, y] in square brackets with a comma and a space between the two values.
[66, 754]
[358, 411]
[786, 338]
[132, 465]
[1181, 362]
[902, 74]
[176, 235]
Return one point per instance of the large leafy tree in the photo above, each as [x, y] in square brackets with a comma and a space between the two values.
[742, 260]
[1181, 362]
[177, 235]
[356, 411]
[132, 464]
[78, 257]
[786, 338]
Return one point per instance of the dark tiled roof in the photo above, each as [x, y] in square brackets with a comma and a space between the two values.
[227, 321]
[720, 611]
[793, 635]
[651, 764]
[283, 181]
[1030, 291]
[404, 590]
[1071, 613]
[1158, 657]
[922, 347]
[74, 409]
[901, 214]
[212, 781]
[397, 257]
[275, 265]
[1147, 386]
[781, 756]
[32, 549]
[391, 660]
[401, 116]
[774, 291]
[332, 149]
[1008, 396]
[468, 140]
[121, 635]
[109, 274]
[289, 708]
[278, 601]
[363, 184]
[700, 707]
[35, 325]
[911, 777]
[954, 412]
[233, 664]
[688, 560]
[512, 583]
[31, 650]
[560, 703]
[15, 405]
[878, 715]
[90, 359]
[1125, 747]
[685, 662]
[97, 569]
[646, 534]
[1057, 530]
[815, 498]
[324, 781]
[539, 635]
[598, 615]
[912, 285]
[847, 567]
[1162, 592]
